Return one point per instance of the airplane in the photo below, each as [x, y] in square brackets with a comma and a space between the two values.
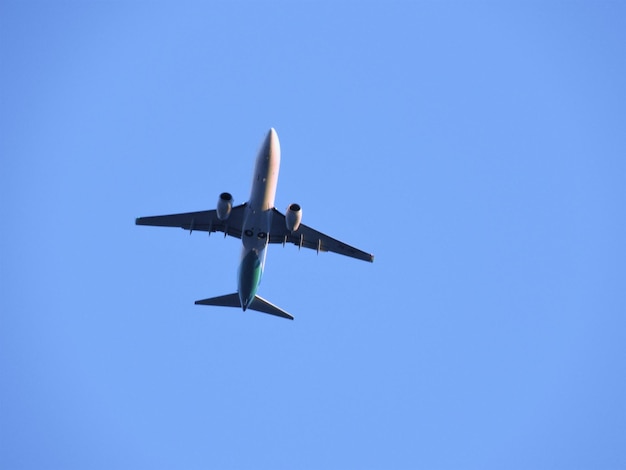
[257, 223]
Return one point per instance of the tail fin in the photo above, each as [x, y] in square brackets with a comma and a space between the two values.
[259, 304]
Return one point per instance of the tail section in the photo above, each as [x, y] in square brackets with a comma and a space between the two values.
[230, 300]
[259, 304]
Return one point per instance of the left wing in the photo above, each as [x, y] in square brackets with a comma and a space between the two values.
[309, 238]
[205, 221]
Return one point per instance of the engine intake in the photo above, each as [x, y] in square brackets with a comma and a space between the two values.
[224, 206]
[293, 217]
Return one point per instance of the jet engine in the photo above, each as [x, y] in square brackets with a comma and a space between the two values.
[293, 217]
[224, 205]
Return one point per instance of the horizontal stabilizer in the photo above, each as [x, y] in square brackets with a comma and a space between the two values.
[230, 300]
[259, 304]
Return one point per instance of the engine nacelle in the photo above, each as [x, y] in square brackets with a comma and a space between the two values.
[293, 217]
[224, 206]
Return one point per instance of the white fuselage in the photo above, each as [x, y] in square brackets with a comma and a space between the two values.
[258, 218]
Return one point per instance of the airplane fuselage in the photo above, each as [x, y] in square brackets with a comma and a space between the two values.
[258, 224]
[258, 218]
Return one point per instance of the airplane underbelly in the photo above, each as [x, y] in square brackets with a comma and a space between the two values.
[254, 238]
[256, 229]
[250, 272]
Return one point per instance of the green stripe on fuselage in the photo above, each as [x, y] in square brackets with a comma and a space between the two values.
[250, 271]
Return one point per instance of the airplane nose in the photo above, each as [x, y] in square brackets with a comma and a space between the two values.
[275, 144]
[270, 145]
[271, 139]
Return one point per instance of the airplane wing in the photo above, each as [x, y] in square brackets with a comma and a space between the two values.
[309, 238]
[205, 221]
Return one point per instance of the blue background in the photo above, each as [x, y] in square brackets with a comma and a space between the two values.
[476, 148]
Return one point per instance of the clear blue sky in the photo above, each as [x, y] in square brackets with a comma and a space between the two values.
[478, 149]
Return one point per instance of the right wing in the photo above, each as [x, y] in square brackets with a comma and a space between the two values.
[308, 237]
[205, 221]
